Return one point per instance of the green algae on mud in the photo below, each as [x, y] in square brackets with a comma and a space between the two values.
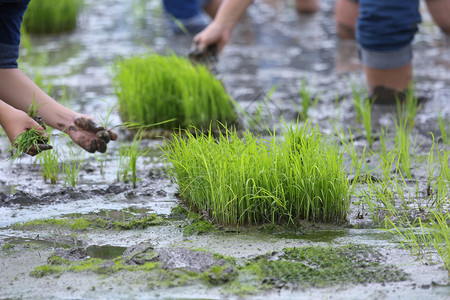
[292, 268]
[146, 263]
[314, 266]
[92, 221]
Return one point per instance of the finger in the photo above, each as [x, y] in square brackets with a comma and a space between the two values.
[93, 147]
[38, 149]
[88, 124]
[102, 147]
[112, 135]
[43, 147]
[103, 135]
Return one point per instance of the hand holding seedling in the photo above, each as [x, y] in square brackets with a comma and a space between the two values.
[219, 31]
[22, 131]
[90, 135]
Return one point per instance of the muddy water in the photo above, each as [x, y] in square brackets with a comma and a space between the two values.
[271, 46]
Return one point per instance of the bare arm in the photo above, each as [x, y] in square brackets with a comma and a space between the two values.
[17, 90]
[220, 29]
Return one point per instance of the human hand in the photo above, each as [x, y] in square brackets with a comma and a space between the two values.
[89, 135]
[213, 34]
[17, 122]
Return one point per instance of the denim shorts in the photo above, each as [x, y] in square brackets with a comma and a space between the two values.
[184, 9]
[385, 29]
[188, 12]
[11, 14]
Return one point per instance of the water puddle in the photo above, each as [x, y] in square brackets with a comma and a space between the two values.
[105, 251]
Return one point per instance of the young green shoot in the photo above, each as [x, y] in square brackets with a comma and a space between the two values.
[366, 112]
[307, 101]
[129, 155]
[72, 166]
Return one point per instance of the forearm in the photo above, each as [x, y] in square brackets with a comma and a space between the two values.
[17, 90]
[5, 111]
[230, 12]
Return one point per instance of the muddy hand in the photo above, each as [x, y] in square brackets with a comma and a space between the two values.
[90, 135]
[40, 147]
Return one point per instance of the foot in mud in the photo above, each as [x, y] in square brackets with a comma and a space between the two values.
[382, 95]
[89, 135]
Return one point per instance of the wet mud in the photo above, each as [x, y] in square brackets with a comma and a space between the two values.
[178, 257]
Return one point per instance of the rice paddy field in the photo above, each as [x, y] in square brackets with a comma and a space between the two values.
[300, 188]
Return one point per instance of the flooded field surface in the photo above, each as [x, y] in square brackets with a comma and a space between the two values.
[101, 238]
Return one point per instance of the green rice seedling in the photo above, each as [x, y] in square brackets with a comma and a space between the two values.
[386, 158]
[129, 155]
[366, 112]
[72, 166]
[358, 102]
[50, 167]
[256, 121]
[25, 141]
[153, 88]
[31, 138]
[244, 181]
[420, 238]
[414, 238]
[440, 231]
[431, 169]
[443, 180]
[49, 16]
[403, 127]
[307, 101]
[357, 159]
[411, 106]
[443, 128]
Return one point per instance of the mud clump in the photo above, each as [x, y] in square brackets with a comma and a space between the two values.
[139, 254]
[186, 259]
[65, 256]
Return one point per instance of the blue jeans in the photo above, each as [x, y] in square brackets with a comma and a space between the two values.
[385, 29]
[188, 12]
[11, 14]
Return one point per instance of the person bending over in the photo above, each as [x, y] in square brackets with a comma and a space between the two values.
[384, 32]
[18, 93]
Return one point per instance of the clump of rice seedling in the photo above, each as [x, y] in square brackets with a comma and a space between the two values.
[50, 168]
[129, 155]
[26, 141]
[31, 138]
[49, 16]
[307, 101]
[72, 167]
[153, 88]
[251, 181]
